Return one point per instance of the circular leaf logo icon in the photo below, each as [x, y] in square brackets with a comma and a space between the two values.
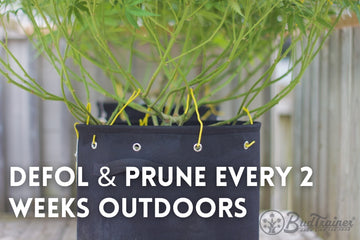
[272, 222]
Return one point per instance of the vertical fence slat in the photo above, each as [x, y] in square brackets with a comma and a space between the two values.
[344, 184]
[313, 133]
[322, 128]
[333, 127]
[354, 162]
[305, 138]
[298, 115]
[2, 159]
[280, 143]
[265, 141]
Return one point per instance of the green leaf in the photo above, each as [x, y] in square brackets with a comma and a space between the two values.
[356, 9]
[323, 22]
[78, 15]
[136, 2]
[70, 11]
[290, 23]
[236, 7]
[114, 2]
[82, 6]
[77, 8]
[131, 19]
[300, 23]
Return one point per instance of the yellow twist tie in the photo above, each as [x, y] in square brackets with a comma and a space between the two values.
[94, 143]
[88, 108]
[206, 115]
[144, 122]
[248, 113]
[132, 98]
[212, 111]
[198, 117]
[187, 104]
[247, 144]
[76, 131]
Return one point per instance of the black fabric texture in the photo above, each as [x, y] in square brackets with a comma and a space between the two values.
[163, 146]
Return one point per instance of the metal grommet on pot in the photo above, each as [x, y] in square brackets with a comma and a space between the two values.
[197, 147]
[136, 147]
[247, 145]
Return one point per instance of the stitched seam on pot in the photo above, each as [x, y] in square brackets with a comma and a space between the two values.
[169, 130]
[167, 133]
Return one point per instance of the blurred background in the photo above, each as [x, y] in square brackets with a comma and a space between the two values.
[317, 125]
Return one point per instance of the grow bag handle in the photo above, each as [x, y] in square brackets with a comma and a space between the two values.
[119, 166]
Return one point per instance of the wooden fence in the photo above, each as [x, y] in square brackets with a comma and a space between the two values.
[32, 132]
[327, 134]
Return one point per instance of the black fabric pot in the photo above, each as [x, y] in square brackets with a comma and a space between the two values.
[164, 147]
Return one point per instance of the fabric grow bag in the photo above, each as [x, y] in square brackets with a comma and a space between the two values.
[119, 147]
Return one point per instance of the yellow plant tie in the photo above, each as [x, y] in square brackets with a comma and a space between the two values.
[76, 131]
[187, 104]
[93, 141]
[198, 117]
[88, 108]
[248, 113]
[144, 122]
[206, 115]
[132, 98]
[212, 111]
[247, 144]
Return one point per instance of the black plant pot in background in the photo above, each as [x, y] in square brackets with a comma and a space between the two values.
[119, 146]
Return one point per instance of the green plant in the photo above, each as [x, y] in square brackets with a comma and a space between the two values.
[205, 45]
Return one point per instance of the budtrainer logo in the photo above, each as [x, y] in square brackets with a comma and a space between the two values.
[272, 222]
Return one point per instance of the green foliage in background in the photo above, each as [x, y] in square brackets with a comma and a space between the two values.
[204, 45]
